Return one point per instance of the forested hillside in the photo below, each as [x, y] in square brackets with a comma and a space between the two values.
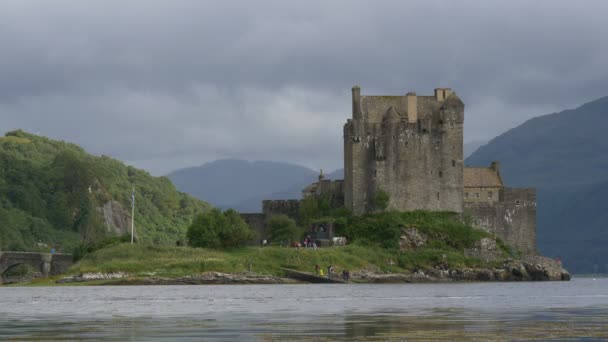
[53, 193]
[565, 156]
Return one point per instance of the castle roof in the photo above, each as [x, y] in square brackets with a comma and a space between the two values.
[481, 177]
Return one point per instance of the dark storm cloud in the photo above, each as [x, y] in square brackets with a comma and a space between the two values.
[171, 83]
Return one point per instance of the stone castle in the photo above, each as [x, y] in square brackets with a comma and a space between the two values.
[411, 148]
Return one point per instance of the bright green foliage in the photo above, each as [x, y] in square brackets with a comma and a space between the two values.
[283, 229]
[185, 261]
[215, 229]
[52, 192]
[309, 210]
[236, 232]
[313, 209]
[89, 247]
[445, 230]
[381, 200]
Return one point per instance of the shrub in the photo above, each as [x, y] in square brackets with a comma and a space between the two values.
[236, 231]
[282, 228]
[381, 200]
[89, 247]
[215, 229]
[385, 229]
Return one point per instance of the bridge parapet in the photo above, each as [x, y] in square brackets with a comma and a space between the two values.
[60, 263]
[46, 263]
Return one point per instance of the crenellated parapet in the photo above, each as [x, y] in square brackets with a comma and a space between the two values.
[45, 263]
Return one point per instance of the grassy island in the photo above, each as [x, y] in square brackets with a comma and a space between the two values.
[375, 248]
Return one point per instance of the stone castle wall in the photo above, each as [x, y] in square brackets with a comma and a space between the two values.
[513, 219]
[290, 208]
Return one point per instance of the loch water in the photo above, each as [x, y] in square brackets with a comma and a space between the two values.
[480, 311]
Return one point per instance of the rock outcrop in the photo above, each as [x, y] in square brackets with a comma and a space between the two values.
[411, 239]
[207, 278]
[529, 268]
[485, 249]
[83, 277]
[115, 218]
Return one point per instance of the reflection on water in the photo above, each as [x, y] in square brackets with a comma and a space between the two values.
[491, 311]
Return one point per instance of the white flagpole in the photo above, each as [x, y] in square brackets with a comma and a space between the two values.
[132, 214]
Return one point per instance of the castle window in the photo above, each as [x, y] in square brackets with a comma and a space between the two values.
[451, 124]
[453, 163]
[440, 174]
[477, 194]
[437, 195]
[490, 194]
[466, 194]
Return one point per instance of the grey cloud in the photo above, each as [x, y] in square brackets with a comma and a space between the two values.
[168, 84]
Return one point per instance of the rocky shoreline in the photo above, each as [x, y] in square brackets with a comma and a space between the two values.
[533, 268]
[530, 269]
[207, 278]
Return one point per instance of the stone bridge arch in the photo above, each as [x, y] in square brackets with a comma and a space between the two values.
[45, 263]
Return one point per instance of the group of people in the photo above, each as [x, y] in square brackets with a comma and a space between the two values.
[308, 242]
[331, 272]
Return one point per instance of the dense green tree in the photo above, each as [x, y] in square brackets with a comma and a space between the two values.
[236, 231]
[282, 228]
[309, 210]
[317, 207]
[215, 229]
[203, 232]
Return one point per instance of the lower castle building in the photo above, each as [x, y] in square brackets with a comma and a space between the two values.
[411, 148]
[510, 213]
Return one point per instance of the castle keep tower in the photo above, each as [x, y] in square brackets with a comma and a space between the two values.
[411, 148]
[407, 146]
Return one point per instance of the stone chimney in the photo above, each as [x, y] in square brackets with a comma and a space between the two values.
[412, 107]
[356, 102]
[443, 93]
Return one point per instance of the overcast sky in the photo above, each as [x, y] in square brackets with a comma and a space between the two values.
[167, 84]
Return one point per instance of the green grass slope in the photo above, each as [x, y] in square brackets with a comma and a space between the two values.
[374, 247]
[53, 192]
[141, 261]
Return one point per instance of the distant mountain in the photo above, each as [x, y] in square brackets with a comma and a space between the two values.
[338, 174]
[565, 156]
[242, 184]
[472, 146]
[55, 193]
